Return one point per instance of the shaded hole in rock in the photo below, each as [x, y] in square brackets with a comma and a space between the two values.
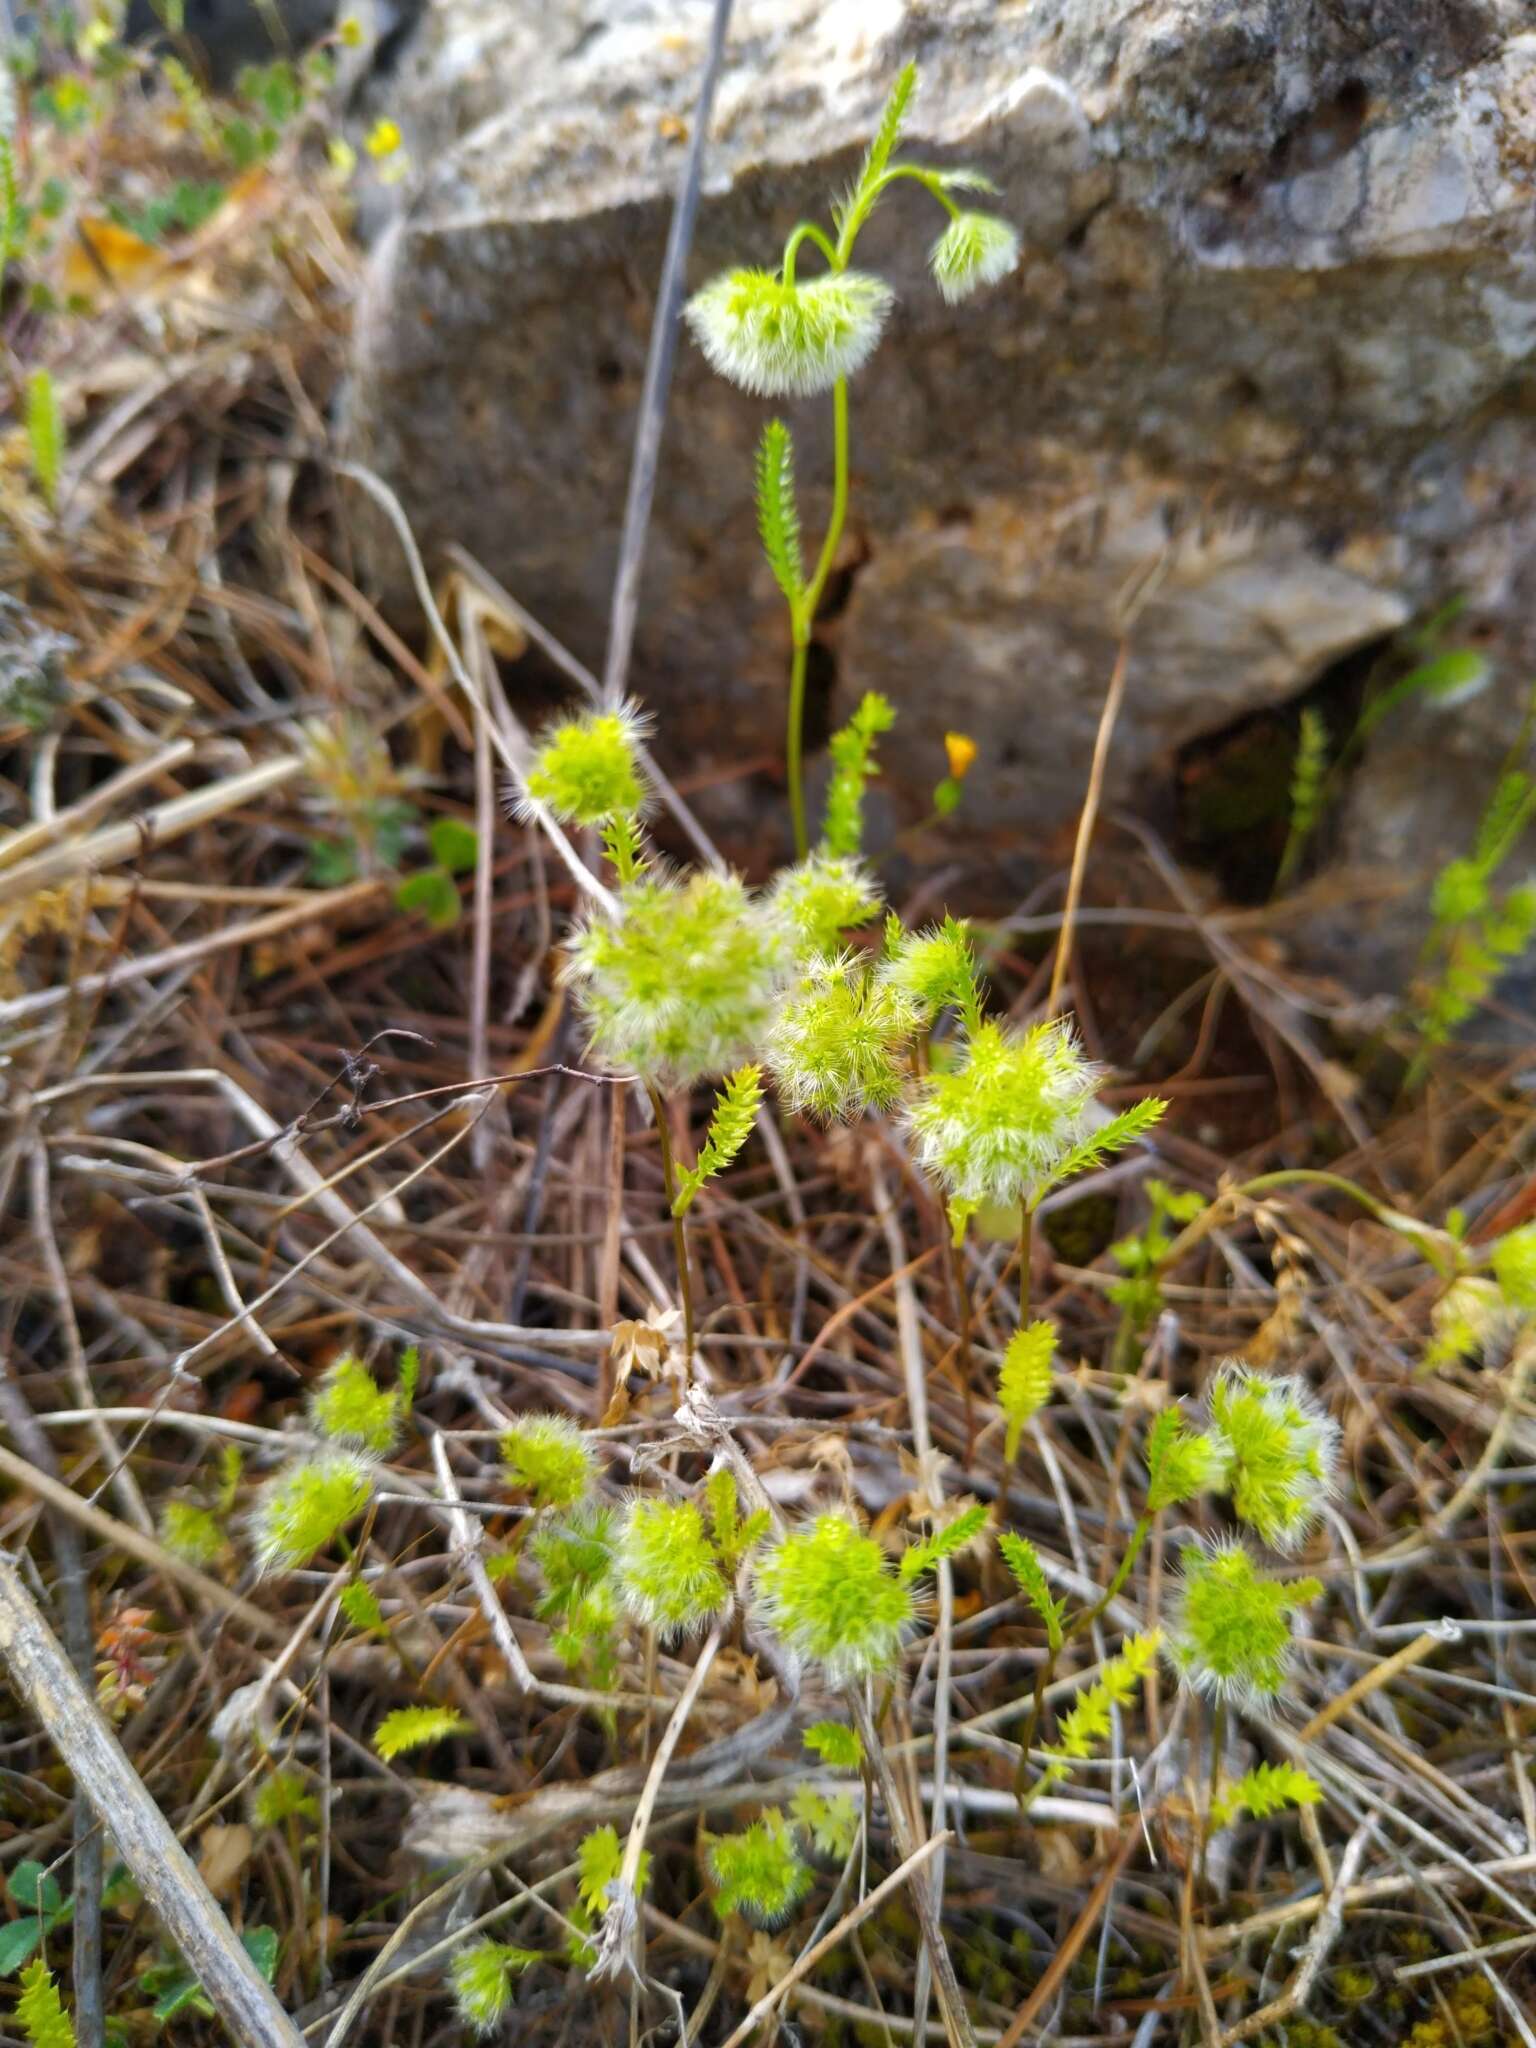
[1233, 787]
[820, 689]
[1327, 133]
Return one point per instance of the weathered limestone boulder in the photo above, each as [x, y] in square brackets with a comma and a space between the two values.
[1273, 340]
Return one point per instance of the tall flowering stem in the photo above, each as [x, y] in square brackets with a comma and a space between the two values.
[773, 335]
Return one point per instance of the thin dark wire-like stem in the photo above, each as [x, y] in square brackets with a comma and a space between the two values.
[658, 378]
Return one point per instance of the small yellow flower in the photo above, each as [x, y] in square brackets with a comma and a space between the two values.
[349, 33]
[342, 155]
[383, 138]
[961, 750]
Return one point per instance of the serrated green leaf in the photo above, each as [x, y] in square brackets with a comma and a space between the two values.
[1265, 1791]
[360, 1604]
[1023, 1560]
[778, 514]
[949, 1541]
[1112, 1137]
[836, 1744]
[409, 1728]
[40, 2012]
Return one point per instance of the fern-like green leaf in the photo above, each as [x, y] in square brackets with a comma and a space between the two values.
[1024, 1380]
[836, 1744]
[949, 1541]
[778, 514]
[40, 2012]
[45, 435]
[856, 208]
[1267, 1790]
[1108, 1139]
[410, 1728]
[852, 753]
[601, 1857]
[735, 1114]
[1023, 1560]
[360, 1604]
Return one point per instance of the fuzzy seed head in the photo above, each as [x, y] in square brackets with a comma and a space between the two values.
[586, 770]
[759, 1872]
[829, 1593]
[192, 1532]
[932, 969]
[975, 250]
[306, 1505]
[1230, 1634]
[1514, 1267]
[681, 985]
[789, 340]
[820, 898]
[668, 1571]
[546, 1456]
[838, 1044]
[350, 1408]
[1278, 1452]
[995, 1126]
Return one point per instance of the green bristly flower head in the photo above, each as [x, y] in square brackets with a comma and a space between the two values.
[997, 1127]
[1181, 1462]
[759, 1872]
[820, 898]
[1514, 1267]
[192, 1532]
[586, 770]
[482, 1977]
[682, 984]
[1230, 1634]
[575, 1557]
[935, 970]
[838, 1044]
[1470, 1314]
[975, 250]
[784, 340]
[829, 1593]
[668, 1571]
[350, 1408]
[305, 1507]
[546, 1456]
[1279, 1452]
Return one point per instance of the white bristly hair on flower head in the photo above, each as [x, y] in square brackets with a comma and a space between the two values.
[975, 250]
[781, 340]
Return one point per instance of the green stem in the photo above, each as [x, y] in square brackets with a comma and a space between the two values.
[793, 743]
[1085, 1619]
[807, 231]
[803, 616]
[1026, 1243]
[679, 1232]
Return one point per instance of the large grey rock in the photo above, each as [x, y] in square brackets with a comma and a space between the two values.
[1275, 333]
